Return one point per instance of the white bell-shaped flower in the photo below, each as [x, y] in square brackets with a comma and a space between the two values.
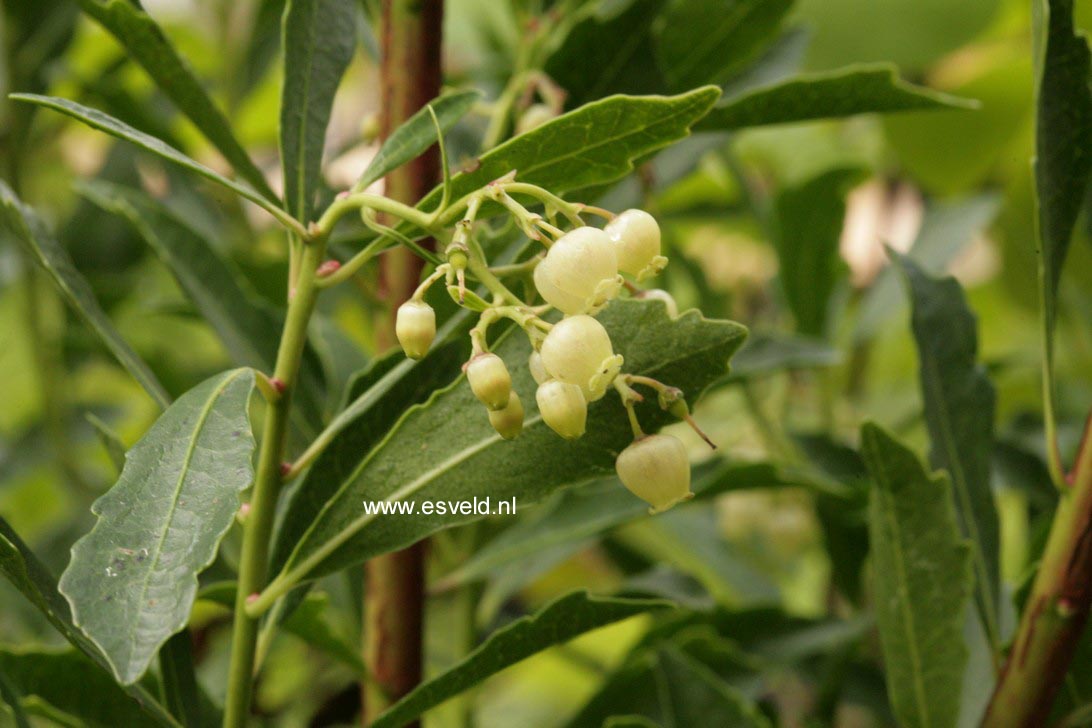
[508, 422]
[535, 366]
[656, 469]
[489, 380]
[580, 272]
[415, 327]
[636, 238]
[578, 351]
[563, 408]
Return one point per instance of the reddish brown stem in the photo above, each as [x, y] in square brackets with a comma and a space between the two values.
[1056, 611]
[411, 74]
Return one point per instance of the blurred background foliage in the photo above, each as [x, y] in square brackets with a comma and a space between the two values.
[952, 187]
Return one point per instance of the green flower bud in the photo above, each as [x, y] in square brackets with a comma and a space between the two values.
[563, 408]
[508, 422]
[658, 294]
[636, 238]
[415, 327]
[538, 371]
[656, 469]
[579, 273]
[489, 380]
[578, 351]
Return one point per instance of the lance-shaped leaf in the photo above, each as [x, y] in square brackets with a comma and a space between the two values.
[417, 134]
[921, 576]
[248, 327]
[146, 43]
[710, 41]
[859, 89]
[114, 127]
[592, 145]
[446, 449]
[132, 579]
[556, 623]
[319, 38]
[27, 228]
[959, 408]
[809, 226]
[1063, 163]
[33, 580]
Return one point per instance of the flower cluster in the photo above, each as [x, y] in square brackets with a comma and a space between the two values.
[572, 360]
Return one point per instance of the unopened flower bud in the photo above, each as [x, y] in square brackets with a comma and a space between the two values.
[658, 294]
[636, 238]
[415, 327]
[578, 351]
[579, 273]
[563, 408]
[538, 371]
[489, 380]
[656, 469]
[508, 422]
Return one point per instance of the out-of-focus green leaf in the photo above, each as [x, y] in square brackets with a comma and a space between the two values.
[104, 122]
[146, 43]
[319, 39]
[556, 623]
[861, 89]
[11, 696]
[311, 623]
[132, 579]
[462, 450]
[247, 326]
[709, 41]
[768, 353]
[621, 49]
[1063, 163]
[592, 509]
[959, 408]
[30, 577]
[74, 686]
[946, 230]
[31, 232]
[416, 135]
[179, 681]
[809, 221]
[111, 442]
[262, 44]
[921, 575]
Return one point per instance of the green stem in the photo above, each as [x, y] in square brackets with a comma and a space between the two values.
[253, 564]
[1055, 612]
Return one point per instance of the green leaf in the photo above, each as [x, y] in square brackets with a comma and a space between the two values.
[959, 410]
[948, 227]
[620, 48]
[709, 41]
[70, 684]
[417, 134]
[111, 442]
[10, 695]
[248, 327]
[556, 623]
[104, 122]
[310, 622]
[858, 89]
[319, 39]
[582, 513]
[145, 42]
[22, 222]
[809, 221]
[592, 145]
[462, 451]
[30, 577]
[767, 353]
[179, 689]
[132, 579]
[921, 575]
[1063, 163]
